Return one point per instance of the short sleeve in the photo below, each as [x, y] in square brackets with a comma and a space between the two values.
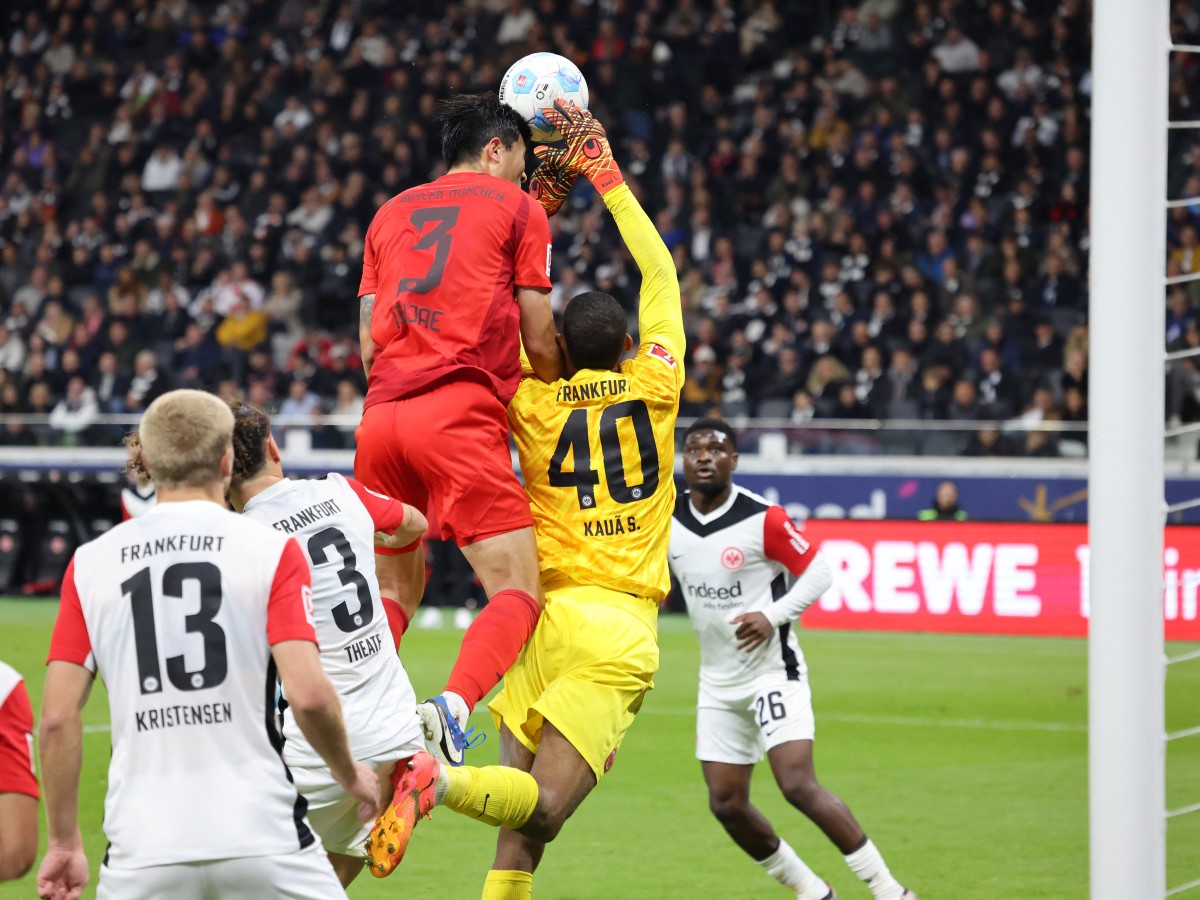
[289, 609]
[532, 265]
[70, 641]
[783, 542]
[16, 744]
[386, 513]
[370, 276]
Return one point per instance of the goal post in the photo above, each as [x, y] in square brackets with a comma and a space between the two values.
[1125, 482]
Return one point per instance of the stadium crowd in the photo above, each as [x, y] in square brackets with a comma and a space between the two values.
[879, 211]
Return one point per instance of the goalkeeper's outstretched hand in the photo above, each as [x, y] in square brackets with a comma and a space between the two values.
[588, 152]
[551, 182]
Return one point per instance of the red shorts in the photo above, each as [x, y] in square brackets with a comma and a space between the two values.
[445, 451]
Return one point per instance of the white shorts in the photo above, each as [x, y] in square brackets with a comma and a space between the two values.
[739, 729]
[303, 875]
[332, 812]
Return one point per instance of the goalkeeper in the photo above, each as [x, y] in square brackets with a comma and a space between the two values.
[597, 451]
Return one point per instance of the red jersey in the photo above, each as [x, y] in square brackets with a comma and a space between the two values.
[16, 735]
[443, 260]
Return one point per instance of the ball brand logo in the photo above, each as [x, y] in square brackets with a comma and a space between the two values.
[733, 559]
[612, 758]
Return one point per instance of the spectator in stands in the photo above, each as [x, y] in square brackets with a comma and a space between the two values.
[914, 154]
[997, 389]
[147, 383]
[945, 506]
[76, 412]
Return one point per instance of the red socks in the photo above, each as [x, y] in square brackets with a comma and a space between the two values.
[397, 619]
[492, 643]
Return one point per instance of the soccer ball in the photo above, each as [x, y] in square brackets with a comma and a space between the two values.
[537, 80]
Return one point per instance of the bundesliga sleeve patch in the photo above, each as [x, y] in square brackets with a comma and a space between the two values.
[658, 351]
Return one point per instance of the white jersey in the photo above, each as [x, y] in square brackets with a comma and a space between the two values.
[336, 531]
[137, 501]
[737, 559]
[177, 610]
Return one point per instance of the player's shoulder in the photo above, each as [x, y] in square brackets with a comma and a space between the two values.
[655, 363]
[533, 390]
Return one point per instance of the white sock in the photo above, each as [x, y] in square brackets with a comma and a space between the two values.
[789, 870]
[867, 863]
[441, 786]
[458, 708]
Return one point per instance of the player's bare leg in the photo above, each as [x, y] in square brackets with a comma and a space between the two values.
[729, 800]
[402, 577]
[507, 566]
[516, 854]
[345, 867]
[792, 764]
[564, 778]
[795, 773]
[507, 562]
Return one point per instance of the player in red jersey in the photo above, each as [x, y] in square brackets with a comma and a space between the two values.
[456, 276]
[18, 783]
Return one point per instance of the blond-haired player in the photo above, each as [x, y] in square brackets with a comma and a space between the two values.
[189, 613]
[597, 452]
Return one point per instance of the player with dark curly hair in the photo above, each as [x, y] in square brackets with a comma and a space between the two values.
[340, 525]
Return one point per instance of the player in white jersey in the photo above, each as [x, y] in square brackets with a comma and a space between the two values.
[733, 554]
[189, 613]
[337, 522]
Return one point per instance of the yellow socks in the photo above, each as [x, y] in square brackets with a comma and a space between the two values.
[507, 885]
[496, 795]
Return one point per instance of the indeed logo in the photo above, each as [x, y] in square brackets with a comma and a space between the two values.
[708, 592]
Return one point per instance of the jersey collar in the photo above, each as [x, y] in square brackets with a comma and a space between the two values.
[269, 494]
[705, 518]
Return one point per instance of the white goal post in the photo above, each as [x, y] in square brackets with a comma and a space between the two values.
[1125, 482]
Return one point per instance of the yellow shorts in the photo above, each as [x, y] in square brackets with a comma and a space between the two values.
[586, 669]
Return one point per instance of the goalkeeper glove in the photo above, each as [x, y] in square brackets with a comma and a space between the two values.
[550, 183]
[588, 152]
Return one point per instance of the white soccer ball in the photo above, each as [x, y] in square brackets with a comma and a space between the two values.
[536, 81]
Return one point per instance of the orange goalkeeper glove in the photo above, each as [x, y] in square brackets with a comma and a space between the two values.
[588, 152]
[551, 183]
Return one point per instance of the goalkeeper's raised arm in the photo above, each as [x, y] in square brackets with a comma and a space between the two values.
[660, 312]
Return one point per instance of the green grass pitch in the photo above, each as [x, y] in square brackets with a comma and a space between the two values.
[965, 758]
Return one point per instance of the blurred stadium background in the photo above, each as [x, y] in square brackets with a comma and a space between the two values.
[880, 215]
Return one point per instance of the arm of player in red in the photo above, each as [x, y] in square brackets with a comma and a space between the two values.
[783, 542]
[366, 302]
[399, 529]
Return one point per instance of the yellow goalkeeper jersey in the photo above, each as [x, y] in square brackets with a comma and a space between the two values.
[597, 450]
